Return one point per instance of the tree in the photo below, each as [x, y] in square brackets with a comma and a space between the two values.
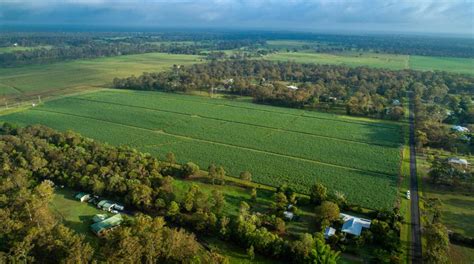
[170, 158]
[318, 193]
[190, 169]
[221, 175]
[437, 249]
[246, 176]
[218, 201]
[212, 172]
[280, 202]
[328, 211]
[253, 195]
[251, 253]
[173, 209]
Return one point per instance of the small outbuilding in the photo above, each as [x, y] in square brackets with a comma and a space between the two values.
[329, 232]
[353, 225]
[460, 129]
[106, 205]
[288, 215]
[99, 218]
[101, 227]
[83, 197]
[119, 207]
[458, 161]
[292, 87]
[396, 102]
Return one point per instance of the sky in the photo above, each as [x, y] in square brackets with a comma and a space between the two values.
[401, 16]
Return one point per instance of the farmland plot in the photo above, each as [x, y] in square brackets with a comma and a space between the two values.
[353, 158]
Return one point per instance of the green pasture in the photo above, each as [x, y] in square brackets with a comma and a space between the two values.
[380, 60]
[389, 61]
[82, 74]
[457, 65]
[277, 145]
[21, 48]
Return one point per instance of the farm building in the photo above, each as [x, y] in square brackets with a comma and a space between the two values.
[101, 227]
[329, 232]
[460, 129]
[288, 215]
[292, 87]
[353, 225]
[99, 218]
[458, 161]
[119, 207]
[106, 205]
[83, 197]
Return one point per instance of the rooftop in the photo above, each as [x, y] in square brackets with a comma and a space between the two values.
[107, 223]
[353, 225]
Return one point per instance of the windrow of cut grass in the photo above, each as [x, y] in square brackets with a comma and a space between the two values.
[273, 155]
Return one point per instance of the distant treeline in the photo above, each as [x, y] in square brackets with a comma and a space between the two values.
[363, 91]
[396, 44]
[83, 46]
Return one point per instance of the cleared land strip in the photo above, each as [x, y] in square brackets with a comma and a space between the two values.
[375, 173]
[390, 144]
[305, 115]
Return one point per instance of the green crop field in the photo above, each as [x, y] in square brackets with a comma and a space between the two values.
[20, 48]
[459, 65]
[389, 61]
[377, 60]
[81, 74]
[277, 145]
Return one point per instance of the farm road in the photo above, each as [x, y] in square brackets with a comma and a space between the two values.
[415, 249]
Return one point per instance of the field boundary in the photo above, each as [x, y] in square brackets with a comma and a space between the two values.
[244, 123]
[374, 173]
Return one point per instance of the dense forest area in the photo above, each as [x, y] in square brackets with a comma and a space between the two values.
[363, 91]
[78, 45]
[394, 44]
[91, 46]
[36, 159]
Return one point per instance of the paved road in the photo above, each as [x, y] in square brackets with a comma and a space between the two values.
[415, 249]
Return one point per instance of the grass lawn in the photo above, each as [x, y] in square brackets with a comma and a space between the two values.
[457, 206]
[461, 255]
[405, 233]
[84, 74]
[74, 214]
